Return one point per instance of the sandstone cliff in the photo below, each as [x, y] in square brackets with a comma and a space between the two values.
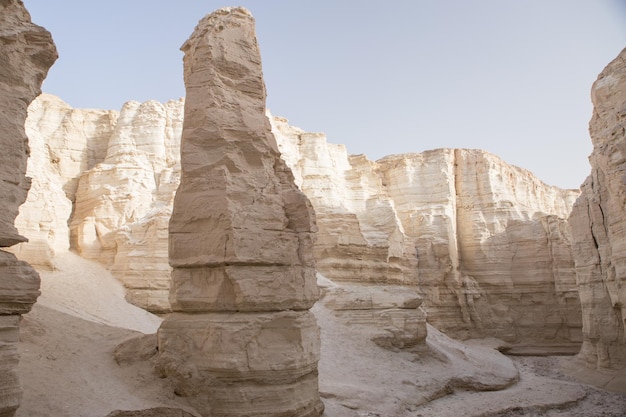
[26, 54]
[598, 224]
[64, 142]
[486, 242]
[241, 340]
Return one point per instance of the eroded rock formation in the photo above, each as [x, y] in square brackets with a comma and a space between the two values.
[598, 223]
[241, 339]
[124, 203]
[64, 142]
[486, 242]
[26, 54]
[104, 180]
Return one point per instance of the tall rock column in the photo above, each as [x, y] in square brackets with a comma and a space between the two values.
[26, 54]
[241, 340]
[598, 223]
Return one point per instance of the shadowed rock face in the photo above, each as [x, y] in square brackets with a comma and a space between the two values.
[26, 54]
[241, 339]
[598, 223]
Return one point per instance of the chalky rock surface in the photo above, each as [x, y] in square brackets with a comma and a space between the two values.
[241, 340]
[598, 224]
[26, 54]
[64, 143]
[104, 184]
[389, 315]
[486, 242]
[123, 203]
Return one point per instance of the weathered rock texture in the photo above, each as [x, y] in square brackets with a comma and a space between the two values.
[123, 204]
[598, 224]
[64, 143]
[104, 181]
[486, 242]
[241, 340]
[26, 54]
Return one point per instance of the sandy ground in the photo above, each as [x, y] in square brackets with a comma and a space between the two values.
[68, 370]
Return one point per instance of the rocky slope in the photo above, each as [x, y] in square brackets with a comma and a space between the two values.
[26, 54]
[598, 224]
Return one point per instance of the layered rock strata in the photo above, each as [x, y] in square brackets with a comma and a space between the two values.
[486, 242]
[64, 142]
[390, 315]
[598, 223]
[241, 340]
[123, 204]
[26, 54]
[456, 224]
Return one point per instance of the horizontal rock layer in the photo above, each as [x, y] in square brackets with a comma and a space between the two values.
[486, 242]
[241, 340]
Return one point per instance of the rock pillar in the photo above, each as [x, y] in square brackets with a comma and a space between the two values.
[241, 340]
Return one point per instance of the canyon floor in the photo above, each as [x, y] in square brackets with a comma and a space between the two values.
[68, 367]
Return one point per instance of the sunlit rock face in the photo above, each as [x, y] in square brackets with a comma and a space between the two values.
[64, 143]
[26, 54]
[487, 243]
[123, 203]
[104, 184]
[241, 339]
[598, 224]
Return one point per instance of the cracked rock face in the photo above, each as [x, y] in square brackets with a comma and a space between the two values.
[26, 54]
[598, 223]
[241, 339]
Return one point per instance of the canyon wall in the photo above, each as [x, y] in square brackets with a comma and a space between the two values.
[241, 340]
[26, 54]
[484, 242]
[598, 223]
[487, 243]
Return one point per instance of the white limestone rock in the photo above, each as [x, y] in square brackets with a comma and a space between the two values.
[598, 224]
[123, 204]
[486, 242]
[391, 316]
[64, 142]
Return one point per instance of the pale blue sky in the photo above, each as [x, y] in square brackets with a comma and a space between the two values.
[508, 76]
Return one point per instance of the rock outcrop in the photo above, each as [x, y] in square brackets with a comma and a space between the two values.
[26, 54]
[64, 142]
[123, 204]
[241, 339]
[598, 223]
[486, 242]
